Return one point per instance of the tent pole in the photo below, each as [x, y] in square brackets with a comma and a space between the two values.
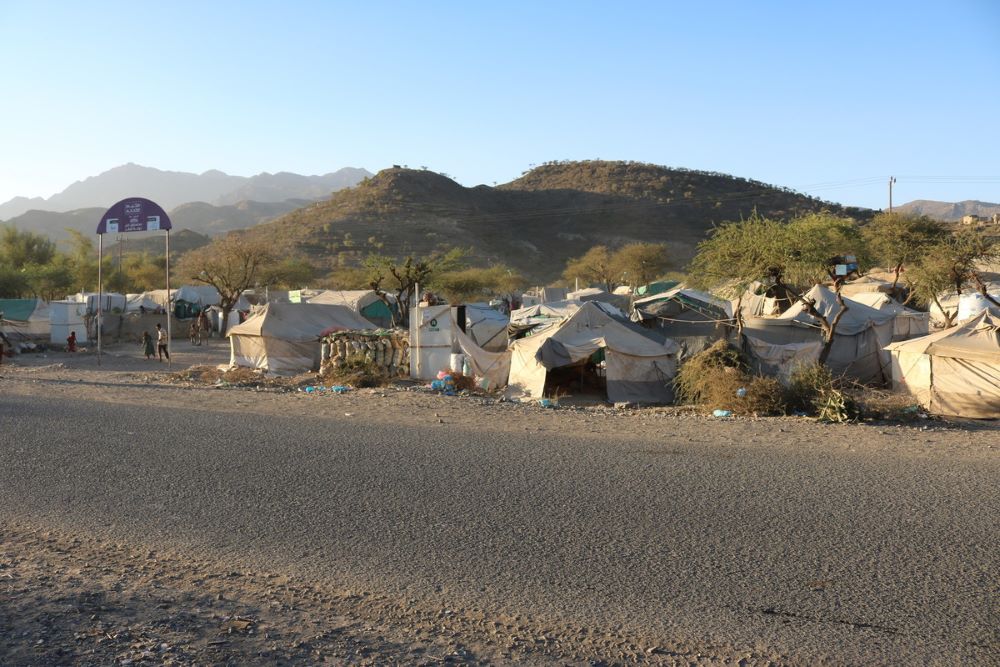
[169, 339]
[100, 293]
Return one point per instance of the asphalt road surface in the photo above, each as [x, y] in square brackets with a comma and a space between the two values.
[825, 555]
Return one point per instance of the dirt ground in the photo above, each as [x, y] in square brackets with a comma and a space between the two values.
[71, 599]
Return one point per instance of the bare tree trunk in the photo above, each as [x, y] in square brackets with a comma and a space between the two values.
[982, 290]
[949, 317]
[224, 324]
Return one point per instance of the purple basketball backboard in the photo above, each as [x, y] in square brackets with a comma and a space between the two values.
[134, 214]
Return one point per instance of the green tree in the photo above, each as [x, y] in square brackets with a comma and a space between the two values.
[897, 240]
[230, 264]
[21, 248]
[640, 263]
[475, 283]
[595, 266]
[289, 273]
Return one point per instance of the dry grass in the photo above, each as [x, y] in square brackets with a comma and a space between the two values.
[718, 379]
[357, 373]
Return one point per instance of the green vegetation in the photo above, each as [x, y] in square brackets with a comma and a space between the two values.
[633, 264]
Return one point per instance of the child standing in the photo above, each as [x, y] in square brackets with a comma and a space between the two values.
[147, 345]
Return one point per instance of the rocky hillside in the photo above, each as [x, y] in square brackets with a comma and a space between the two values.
[534, 223]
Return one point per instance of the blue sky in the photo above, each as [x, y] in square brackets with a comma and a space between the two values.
[827, 98]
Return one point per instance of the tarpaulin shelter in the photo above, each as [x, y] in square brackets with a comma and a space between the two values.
[952, 372]
[907, 323]
[110, 301]
[523, 321]
[24, 318]
[640, 365]
[283, 338]
[857, 351]
[692, 318]
[366, 303]
[597, 294]
[486, 327]
[865, 284]
[544, 295]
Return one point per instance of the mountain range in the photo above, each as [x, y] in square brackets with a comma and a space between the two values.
[172, 188]
[949, 211]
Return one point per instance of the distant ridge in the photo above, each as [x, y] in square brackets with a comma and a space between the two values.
[173, 188]
[949, 211]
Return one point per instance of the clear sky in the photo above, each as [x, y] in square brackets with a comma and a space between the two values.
[829, 98]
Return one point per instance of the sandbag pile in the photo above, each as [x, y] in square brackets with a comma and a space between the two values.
[389, 350]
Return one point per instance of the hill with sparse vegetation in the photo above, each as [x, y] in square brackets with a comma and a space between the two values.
[947, 211]
[534, 223]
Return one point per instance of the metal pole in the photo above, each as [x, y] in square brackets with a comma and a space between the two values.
[100, 292]
[169, 309]
[892, 179]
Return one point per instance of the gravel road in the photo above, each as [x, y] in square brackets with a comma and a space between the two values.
[803, 547]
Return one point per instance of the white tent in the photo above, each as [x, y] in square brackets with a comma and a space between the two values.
[857, 350]
[907, 323]
[111, 301]
[283, 338]
[137, 302]
[366, 303]
[955, 371]
[597, 294]
[486, 327]
[692, 318]
[24, 318]
[640, 366]
[864, 285]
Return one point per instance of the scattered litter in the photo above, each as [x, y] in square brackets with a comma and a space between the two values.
[741, 392]
[546, 403]
[722, 413]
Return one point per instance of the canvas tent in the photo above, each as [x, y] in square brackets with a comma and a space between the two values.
[543, 295]
[597, 294]
[110, 301]
[283, 338]
[865, 284]
[524, 321]
[486, 327]
[640, 366]
[953, 372]
[366, 303]
[907, 323]
[24, 318]
[692, 318]
[857, 350]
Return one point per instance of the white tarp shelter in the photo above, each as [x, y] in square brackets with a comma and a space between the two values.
[907, 323]
[366, 303]
[111, 301]
[486, 327]
[953, 372]
[283, 338]
[857, 351]
[24, 318]
[597, 294]
[640, 366]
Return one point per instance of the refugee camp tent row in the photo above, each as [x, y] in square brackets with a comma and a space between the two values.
[366, 303]
[857, 351]
[953, 372]
[284, 338]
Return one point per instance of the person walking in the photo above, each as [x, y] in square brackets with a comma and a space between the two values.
[147, 345]
[71, 342]
[162, 343]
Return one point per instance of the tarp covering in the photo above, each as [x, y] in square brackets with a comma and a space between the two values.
[597, 294]
[953, 372]
[865, 284]
[110, 300]
[494, 367]
[366, 303]
[907, 323]
[486, 327]
[640, 366]
[778, 361]
[24, 317]
[283, 338]
[857, 350]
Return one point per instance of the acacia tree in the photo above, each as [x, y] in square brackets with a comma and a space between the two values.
[402, 277]
[231, 264]
[897, 240]
[640, 263]
[595, 266]
[476, 282]
[787, 257]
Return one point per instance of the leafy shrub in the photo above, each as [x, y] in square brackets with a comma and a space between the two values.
[718, 379]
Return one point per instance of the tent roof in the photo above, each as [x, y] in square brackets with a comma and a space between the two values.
[689, 296]
[300, 322]
[356, 299]
[978, 340]
[20, 309]
[857, 318]
[884, 302]
[591, 327]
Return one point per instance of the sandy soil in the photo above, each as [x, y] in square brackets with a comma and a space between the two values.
[70, 598]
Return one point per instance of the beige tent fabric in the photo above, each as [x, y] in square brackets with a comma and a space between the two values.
[494, 367]
[955, 371]
[907, 323]
[865, 285]
[283, 338]
[639, 368]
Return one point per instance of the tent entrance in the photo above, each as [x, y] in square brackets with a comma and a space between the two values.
[582, 383]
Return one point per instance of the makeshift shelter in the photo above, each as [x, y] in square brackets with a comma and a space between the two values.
[111, 302]
[136, 303]
[366, 303]
[864, 285]
[858, 342]
[543, 295]
[24, 318]
[907, 323]
[953, 372]
[525, 321]
[639, 365]
[66, 317]
[655, 287]
[692, 318]
[283, 338]
[486, 327]
[597, 294]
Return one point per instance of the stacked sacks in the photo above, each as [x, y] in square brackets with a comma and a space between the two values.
[388, 350]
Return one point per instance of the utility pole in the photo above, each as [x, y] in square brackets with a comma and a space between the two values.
[892, 179]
